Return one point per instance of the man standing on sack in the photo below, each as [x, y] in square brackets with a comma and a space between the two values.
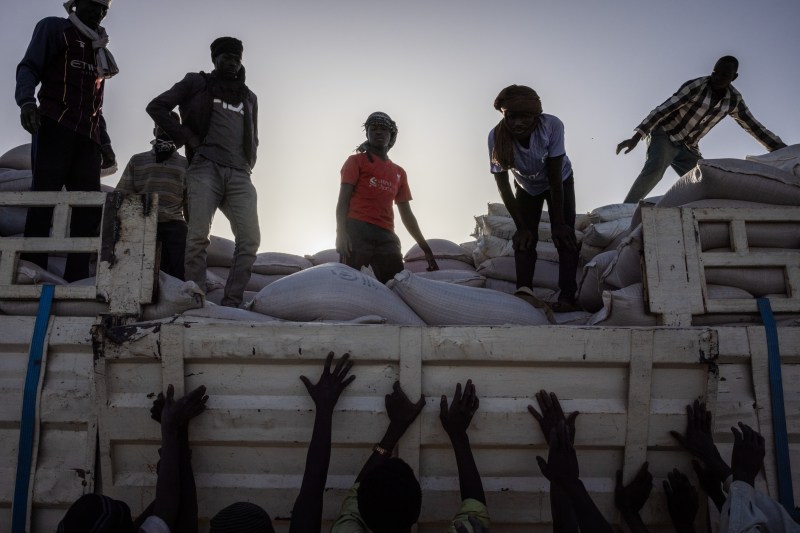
[219, 117]
[69, 58]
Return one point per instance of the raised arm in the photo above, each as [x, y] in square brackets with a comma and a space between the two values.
[630, 498]
[402, 413]
[160, 107]
[307, 510]
[410, 222]
[455, 421]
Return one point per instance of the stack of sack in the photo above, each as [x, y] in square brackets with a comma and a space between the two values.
[612, 281]
[454, 262]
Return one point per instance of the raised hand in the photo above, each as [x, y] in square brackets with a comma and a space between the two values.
[552, 414]
[176, 414]
[402, 411]
[682, 501]
[456, 418]
[699, 440]
[327, 390]
[562, 461]
[631, 498]
[748, 453]
[628, 144]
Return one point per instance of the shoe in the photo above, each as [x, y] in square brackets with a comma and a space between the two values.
[526, 294]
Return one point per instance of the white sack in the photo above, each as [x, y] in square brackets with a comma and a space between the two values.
[626, 266]
[458, 277]
[603, 234]
[440, 304]
[279, 263]
[624, 307]
[442, 249]
[18, 158]
[591, 287]
[220, 252]
[216, 296]
[332, 291]
[443, 264]
[174, 297]
[325, 256]
[220, 312]
[12, 219]
[786, 159]
[610, 212]
[32, 274]
[544, 275]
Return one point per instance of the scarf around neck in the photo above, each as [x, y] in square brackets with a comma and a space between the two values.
[105, 63]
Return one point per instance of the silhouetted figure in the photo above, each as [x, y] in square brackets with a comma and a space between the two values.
[161, 170]
[675, 128]
[69, 58]
[370, 183]
[220, 132]
[530, 144]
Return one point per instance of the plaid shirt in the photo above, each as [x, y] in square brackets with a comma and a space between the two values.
[687, 116]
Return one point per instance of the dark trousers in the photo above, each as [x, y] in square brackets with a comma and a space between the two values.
[530, 209]
[62, 158]
[375, 247]
[171, 235]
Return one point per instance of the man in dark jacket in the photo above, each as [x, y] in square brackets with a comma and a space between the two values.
[219, 129]
[69, 58]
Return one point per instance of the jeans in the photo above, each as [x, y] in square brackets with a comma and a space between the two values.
[211, 186]
[530, 209]
[376, 247]
[661, 153]
[63, 158]
[171, 235]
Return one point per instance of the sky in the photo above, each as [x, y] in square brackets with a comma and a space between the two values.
[320, 68]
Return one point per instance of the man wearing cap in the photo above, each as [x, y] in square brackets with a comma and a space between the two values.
[219, 129]
[370, 183]
[70, 59]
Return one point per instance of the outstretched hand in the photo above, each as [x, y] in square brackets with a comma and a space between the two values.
[748, 453]
[628, 144]
[699, 440]
[176, 414]
[456, 418]
[327, 390]
[402, 411]
[561, 466]
[552, 414]
[631, 498]
[682, 501]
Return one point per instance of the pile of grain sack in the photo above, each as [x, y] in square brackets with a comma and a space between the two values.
[476, 280]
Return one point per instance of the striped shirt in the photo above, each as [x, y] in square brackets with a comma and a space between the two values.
[688, 115]
[144, 174]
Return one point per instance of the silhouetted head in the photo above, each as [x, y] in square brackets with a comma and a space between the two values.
[226, 53]
[725, 71]
[389, 497]
[90, 12]
[241, 517]
[96, 513]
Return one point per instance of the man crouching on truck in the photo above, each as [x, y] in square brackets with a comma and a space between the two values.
[220, 131]
[69, 58]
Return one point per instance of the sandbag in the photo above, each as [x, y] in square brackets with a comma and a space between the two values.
[624, 307]
[442, 249]
[625, 267]
[468, 247]
[489, 247]
[279, 263]
[610, 212]
[221, 312]
[589, 252]
[217, 295]
[220, 252]
[12, 219]
[18, 158]
[458, 277]
[786, 159]
[510, 287]
[174, 297]
[32, 274]
[15, 180]
[440, 304]
[332, 291]
[496, 226]
[443, 264]
[497, 209]
[603, 234]
[591, 287]
[756, 281]
[216, 277]
[325, 256]
[544, 275]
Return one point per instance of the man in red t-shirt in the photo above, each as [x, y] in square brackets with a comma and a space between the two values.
[364, 214]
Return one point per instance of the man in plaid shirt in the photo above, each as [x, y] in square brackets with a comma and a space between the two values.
[675, 127]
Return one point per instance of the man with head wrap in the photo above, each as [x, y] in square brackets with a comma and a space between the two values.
[70, 59]
[219, 128]
[364, 216]
[530, 144]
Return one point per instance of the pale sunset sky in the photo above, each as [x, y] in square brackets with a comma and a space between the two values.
[319, 68]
